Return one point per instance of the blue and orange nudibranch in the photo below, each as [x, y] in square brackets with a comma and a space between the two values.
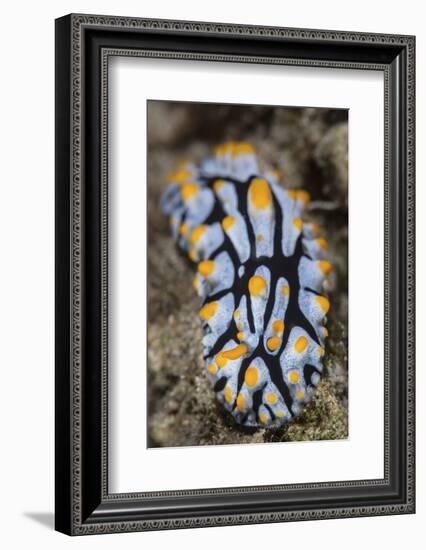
[262, 275]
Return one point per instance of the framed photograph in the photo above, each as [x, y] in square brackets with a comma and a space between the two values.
[234, 274]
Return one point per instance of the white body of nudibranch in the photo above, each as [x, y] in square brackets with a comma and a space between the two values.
[262, 274]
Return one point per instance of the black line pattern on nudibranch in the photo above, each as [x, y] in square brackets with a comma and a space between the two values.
[262, 273]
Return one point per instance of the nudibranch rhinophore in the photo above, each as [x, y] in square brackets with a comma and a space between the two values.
[262, 276]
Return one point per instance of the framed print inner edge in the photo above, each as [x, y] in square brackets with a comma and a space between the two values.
[107, 55]
[143, 511]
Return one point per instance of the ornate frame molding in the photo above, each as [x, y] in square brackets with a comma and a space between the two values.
[85, 507]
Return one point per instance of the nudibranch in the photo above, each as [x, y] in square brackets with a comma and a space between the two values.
[262, 276]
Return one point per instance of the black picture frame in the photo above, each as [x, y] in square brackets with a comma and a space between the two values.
[83, 45]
